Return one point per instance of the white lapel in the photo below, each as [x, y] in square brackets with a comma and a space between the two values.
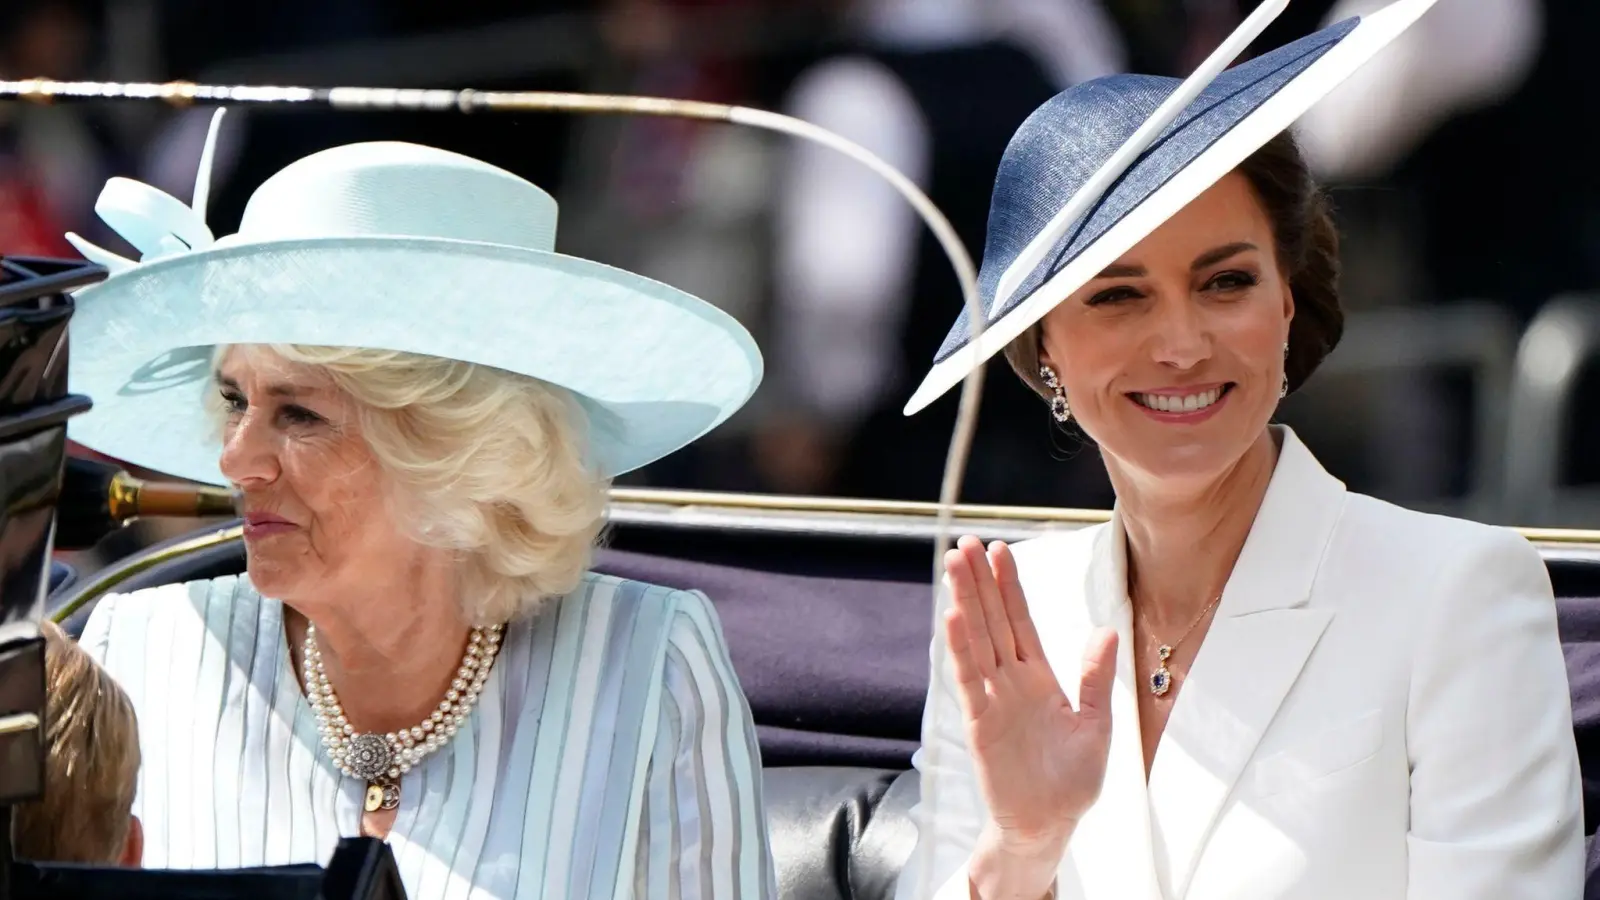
[1254, 651]
[1111, 849]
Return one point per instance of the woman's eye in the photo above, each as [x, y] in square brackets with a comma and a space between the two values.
[299, 415]
[235, 405]
[1113, 295]
[1232, 281]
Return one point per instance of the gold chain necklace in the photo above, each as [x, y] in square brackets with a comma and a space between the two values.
[1161, 678]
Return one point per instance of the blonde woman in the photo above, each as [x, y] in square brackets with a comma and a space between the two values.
[421, 404]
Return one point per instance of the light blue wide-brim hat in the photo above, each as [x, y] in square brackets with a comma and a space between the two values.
[388, 246]
[1033, 258]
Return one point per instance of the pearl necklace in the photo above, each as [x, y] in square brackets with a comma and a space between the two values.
[381, 759]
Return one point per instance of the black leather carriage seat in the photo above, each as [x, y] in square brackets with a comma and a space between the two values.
[835, 669]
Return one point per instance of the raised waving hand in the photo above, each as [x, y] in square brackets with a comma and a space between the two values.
[1039, 761]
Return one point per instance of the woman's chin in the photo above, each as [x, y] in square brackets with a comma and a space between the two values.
[1199, 454]
[271, 577]
[1187, 465]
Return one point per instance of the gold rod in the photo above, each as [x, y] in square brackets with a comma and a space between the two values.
[703, 501]
[111, 577]
[18, 723]
[785, 503]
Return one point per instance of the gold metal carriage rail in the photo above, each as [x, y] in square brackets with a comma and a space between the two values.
[975, 517]
[780, 514]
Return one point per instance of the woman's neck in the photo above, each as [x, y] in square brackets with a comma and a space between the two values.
[1183, 542]
[389, 648]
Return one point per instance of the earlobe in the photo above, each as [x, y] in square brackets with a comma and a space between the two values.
[1044, 354]
[133, 847]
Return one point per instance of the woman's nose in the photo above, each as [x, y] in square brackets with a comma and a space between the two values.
[1182, 339]
[249, 455]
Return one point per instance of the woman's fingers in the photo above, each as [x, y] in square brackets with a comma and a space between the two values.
[1099, 674]
[969, 681]
[1015, 603]
[964, 599]
[994, 611]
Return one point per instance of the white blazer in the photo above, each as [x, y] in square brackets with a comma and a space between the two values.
[1379, 711]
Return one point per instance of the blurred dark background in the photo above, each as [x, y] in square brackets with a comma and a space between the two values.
[1459, 162]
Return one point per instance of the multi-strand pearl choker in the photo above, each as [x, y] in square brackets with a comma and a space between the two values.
[381, 759]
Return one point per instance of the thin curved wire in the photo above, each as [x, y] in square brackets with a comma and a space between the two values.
[469, 101]
[181, 93]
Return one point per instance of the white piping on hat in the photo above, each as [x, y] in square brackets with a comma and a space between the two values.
[1176, 102]
[1272, 117]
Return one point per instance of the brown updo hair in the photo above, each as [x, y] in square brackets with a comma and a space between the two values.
[1307, 249]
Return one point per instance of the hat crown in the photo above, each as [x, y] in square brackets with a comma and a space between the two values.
[1056, 150]
[395, 189]
[1073, 133]
[1060, 146]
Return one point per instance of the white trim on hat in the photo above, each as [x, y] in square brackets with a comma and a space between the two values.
[1268, 120]
[1092, 189]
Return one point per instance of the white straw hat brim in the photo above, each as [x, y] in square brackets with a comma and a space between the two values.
[654, 367]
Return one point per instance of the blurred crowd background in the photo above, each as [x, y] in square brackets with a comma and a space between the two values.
[1460, 164]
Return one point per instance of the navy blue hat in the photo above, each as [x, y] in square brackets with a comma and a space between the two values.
[1066, 141]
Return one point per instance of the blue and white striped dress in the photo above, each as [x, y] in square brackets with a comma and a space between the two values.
[611, 755]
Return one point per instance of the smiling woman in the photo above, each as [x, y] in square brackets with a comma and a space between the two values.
[1244, 278]
[1316, 694]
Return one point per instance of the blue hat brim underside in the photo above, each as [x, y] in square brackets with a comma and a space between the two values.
[1067, 139]
[654, 367]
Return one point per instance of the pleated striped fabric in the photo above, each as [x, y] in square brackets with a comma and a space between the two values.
[612, 754]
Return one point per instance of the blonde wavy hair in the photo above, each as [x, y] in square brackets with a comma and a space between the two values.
[487, 464]
[91, 769]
